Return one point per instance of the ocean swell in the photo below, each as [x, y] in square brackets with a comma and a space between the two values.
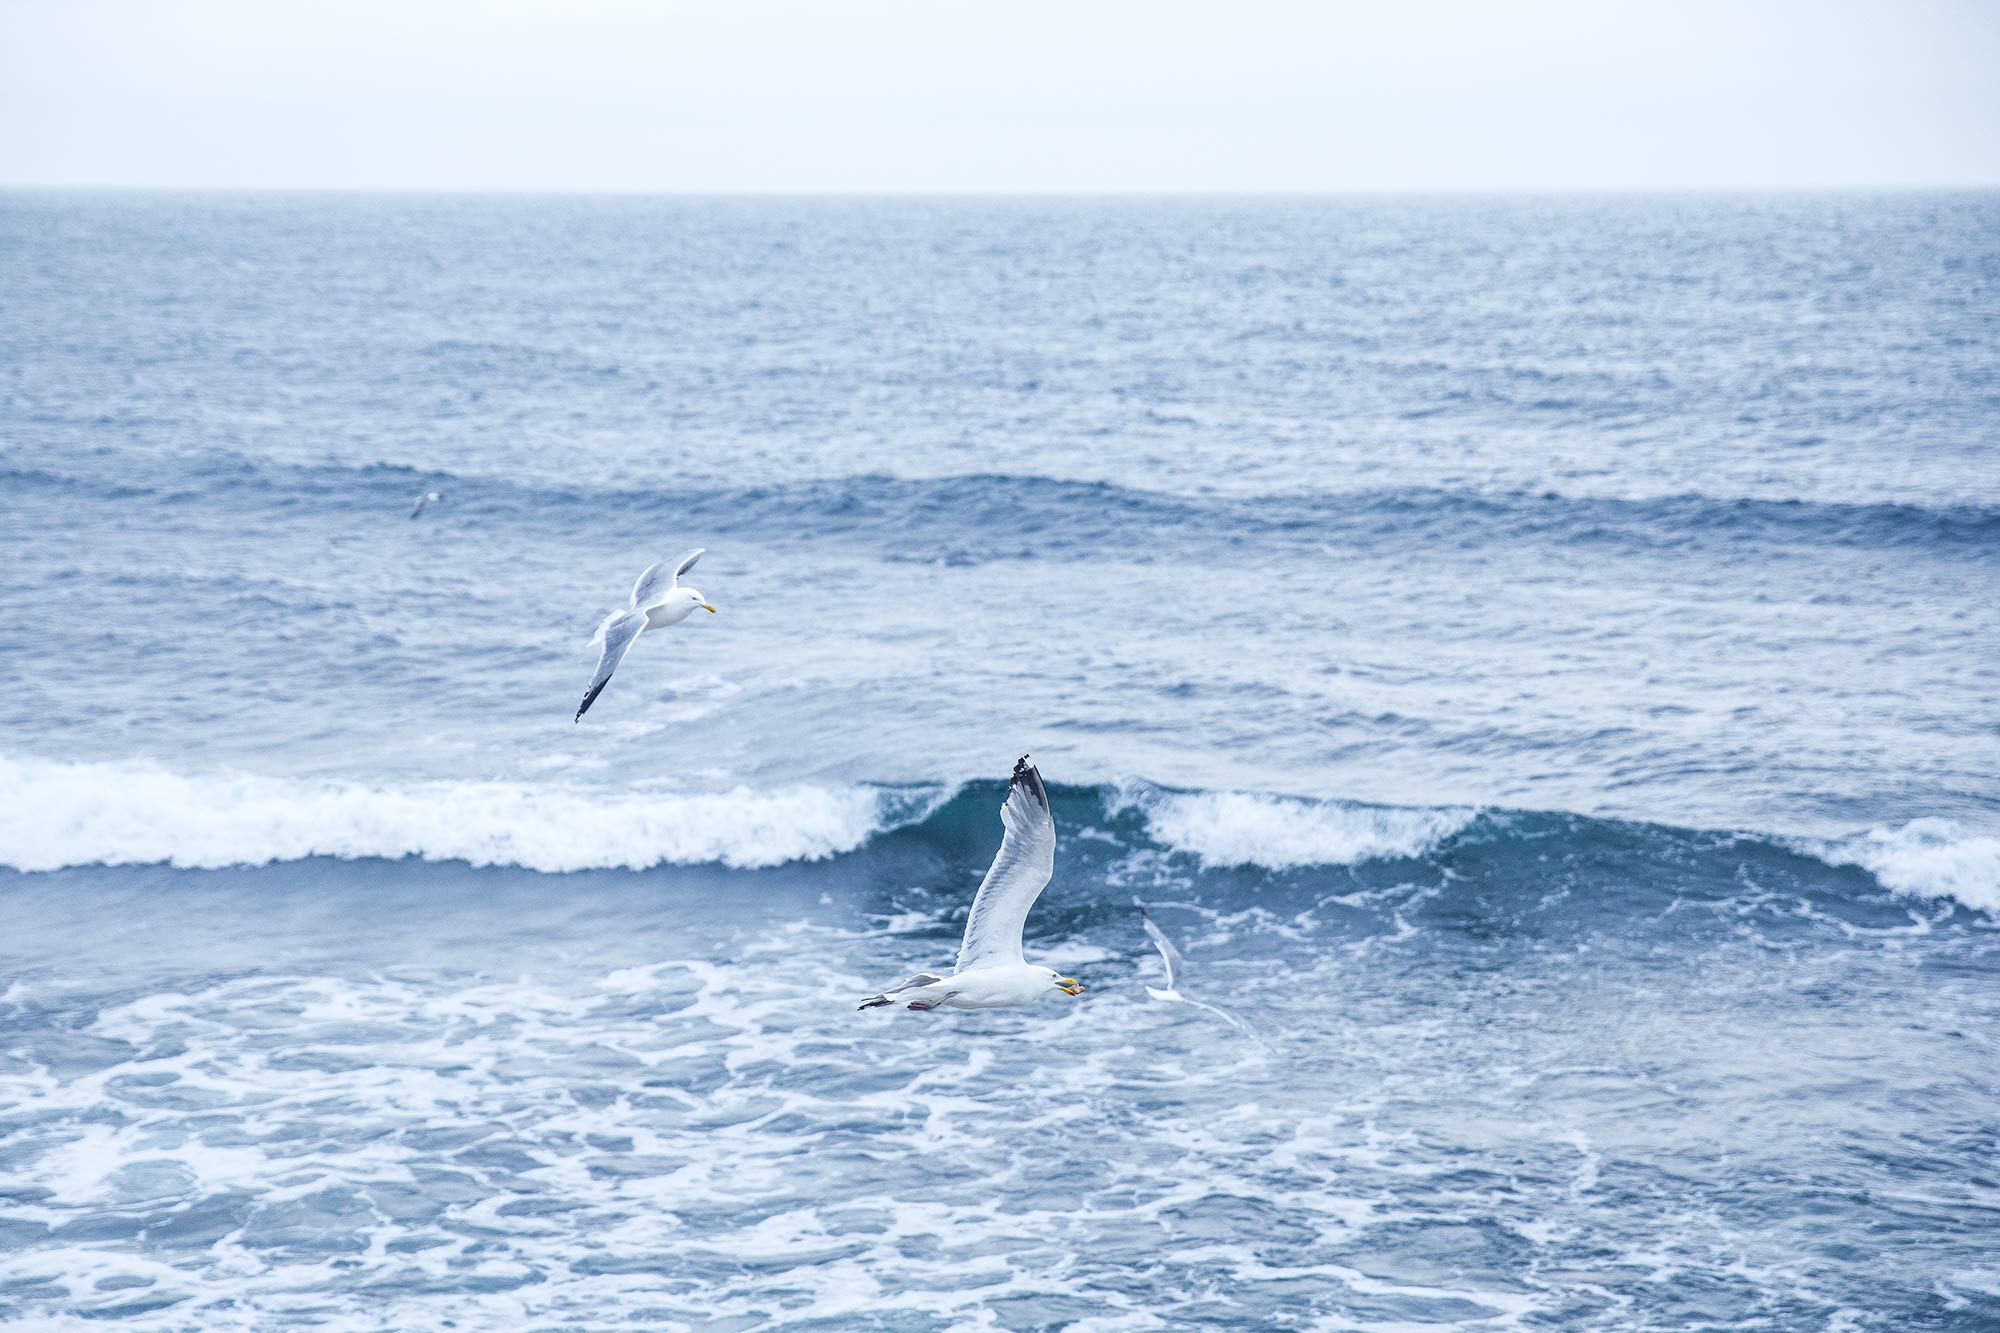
[928, 517]
[56, 814]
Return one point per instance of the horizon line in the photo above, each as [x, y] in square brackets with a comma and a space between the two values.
[912, 193]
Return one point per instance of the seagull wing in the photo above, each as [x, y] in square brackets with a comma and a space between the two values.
[659, 579]
[1230, 1019]
[1020, 870]
[1176, 965]
[422, 500]
[1177, 975]
[618, 631]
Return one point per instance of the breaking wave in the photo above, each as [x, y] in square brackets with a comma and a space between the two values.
[1284, 833]
[70, 814]
[1926, 858]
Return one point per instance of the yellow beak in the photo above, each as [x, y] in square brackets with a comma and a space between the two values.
[706, 607]
[1070, 986]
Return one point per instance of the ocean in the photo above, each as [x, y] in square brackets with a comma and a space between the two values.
[1537, 656]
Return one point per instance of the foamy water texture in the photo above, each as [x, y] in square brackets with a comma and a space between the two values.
[403, 1095]
[1535, 656]
[125, 814]
[1243, 829]
[1934, 858]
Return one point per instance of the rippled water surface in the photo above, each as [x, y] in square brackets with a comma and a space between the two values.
[1537, 656]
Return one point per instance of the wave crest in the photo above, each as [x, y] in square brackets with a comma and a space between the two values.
[1926, 858]
[135, 813]
[1284, 832]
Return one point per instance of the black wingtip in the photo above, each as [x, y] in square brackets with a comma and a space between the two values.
[1027, 775]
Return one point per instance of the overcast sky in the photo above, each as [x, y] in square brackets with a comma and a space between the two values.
[1006, 95]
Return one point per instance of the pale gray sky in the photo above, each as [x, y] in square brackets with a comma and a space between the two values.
[1009, 95]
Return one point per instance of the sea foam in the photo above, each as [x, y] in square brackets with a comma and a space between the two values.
[1925, 858]
[1283, 832]
[68, 814]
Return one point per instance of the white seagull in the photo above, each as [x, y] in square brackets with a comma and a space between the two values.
[1177, 976]
[427, 498]
[991, 972]
[657, 601]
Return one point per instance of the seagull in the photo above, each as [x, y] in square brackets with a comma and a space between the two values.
[1177, 976]
[428, 497]
[991, 974]
[658, 601]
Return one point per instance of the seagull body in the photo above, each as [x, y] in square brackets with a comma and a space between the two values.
[991, 973]
[427, 498]
[1177, 969]
[657, 601]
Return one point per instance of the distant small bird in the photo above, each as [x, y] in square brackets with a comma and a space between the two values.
[991, 972]
[657, 601]
[1177, 976]
[427, 498]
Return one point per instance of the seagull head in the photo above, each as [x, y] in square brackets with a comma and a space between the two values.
[694, 598]
[1067, 985]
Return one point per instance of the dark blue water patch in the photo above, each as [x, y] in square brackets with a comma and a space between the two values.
[310, 912]
[974, 519]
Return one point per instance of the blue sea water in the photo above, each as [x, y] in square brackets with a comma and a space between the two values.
[1539, 656]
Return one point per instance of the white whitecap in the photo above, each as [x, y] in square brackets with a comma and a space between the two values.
[134, 813]
[1925, 858]
[1284, 832]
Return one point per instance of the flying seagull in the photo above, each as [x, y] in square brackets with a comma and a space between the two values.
[1177, 976]
[991, 974]
[427, 498]
[658, 600]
